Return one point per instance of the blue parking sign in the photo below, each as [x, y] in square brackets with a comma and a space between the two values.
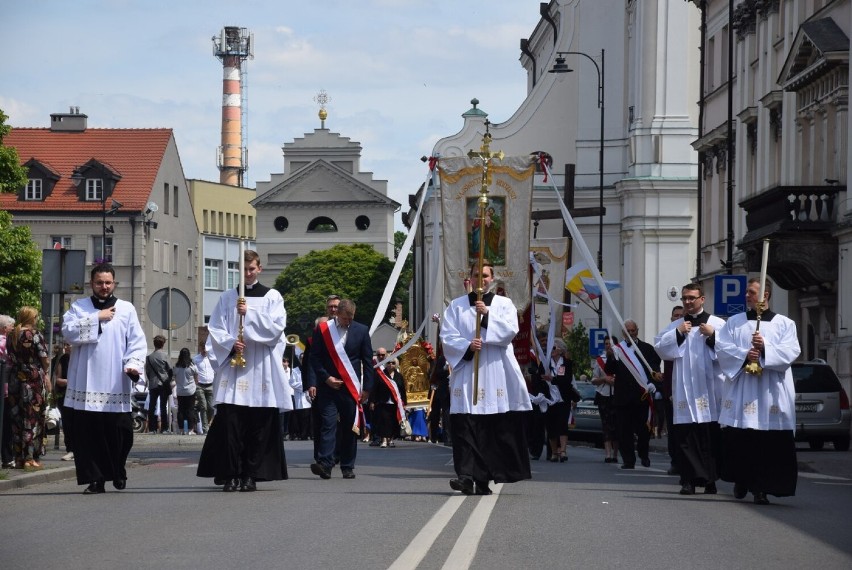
[596, 341]
[730, 293]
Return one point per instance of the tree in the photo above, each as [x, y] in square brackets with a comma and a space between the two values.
[13, 176]
[577, 340]
[355, 271]
[20, 267]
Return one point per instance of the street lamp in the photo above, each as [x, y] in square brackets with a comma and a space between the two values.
[561, 67]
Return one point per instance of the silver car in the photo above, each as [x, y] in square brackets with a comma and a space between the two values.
[587, 420]
[822, 406]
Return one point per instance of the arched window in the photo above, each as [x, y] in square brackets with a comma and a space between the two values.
[322, 224]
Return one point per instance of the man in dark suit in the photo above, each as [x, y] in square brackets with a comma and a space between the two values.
[632, 395]
[342, 362]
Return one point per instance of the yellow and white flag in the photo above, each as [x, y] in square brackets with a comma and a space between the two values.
[504, 235]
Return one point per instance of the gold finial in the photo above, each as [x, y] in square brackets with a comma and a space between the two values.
[322, 99]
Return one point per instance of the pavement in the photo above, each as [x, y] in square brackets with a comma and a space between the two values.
[57, 470]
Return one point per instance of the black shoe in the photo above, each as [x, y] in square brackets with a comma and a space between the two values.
[710, 488]
[673, 471]
[481, 489]
[760, 498]
[535, 457]
[321, 470]
[625, 466]
[687, 489]
[95, 488]
[646, 462]
[120, 484]
[553, 459]
[562, 459]
[348, 474]
[740, 491]
[463, 485]
[374, 443]
[247, 485]
[230, 485]
[218, 481]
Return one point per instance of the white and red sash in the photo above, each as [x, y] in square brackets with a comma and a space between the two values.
[625, 354]
[394, 390]
[334, 346]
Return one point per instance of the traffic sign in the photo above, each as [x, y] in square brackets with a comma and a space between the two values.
[730, 291]
[596, 341]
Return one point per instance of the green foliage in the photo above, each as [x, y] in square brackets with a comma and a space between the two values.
[355, 271]
[577, 340]
[13, 176]
[20, 267]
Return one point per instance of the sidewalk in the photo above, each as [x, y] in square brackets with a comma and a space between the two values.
[57, 470]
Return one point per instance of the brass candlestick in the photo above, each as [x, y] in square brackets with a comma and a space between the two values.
[238, 359]
[754, 367]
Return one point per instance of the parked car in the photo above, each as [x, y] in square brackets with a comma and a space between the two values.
[822, 406]
[587, 420]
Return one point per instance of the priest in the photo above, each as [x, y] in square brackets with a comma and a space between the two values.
[107, 358]
[489, 440]
[758, 415]
[689, 343]
[247, 345]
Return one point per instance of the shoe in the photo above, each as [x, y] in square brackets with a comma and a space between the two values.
[348, 474]
[710, 489]
[219, 481]
[374, 444]
[534, 457]
[9, 465]
[607, 459]
[687, 489]
[120, 484]
[230, 485]
[740, 491]
[481, 489]
[760, 498]
[32, 465]
[673, 471]
[321, 470]
[553, 459]
[646, 462]
[562, 459]
[384, 444]
[625, 466]
[463, 485]
[247, 485]
[68, 456]
[95, 488]
[391, 444]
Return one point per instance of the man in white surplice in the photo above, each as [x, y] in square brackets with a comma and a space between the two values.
[107, 357]
[689, 342]
[244, 442]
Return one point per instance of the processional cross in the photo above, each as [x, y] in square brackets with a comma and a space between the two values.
[486, 157]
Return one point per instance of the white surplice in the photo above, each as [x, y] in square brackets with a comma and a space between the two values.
[697, 379]
[261, 382]
[501, 384]
[766, 401]
[100, 353]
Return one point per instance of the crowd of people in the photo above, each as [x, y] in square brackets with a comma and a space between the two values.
[722, 390]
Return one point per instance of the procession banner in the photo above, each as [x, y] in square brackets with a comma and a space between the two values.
[505, 231]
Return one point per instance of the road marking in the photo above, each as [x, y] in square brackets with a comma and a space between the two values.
[463, 552]
[420, 545]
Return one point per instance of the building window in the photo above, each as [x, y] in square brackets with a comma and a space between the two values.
[212, 268]
[233, 274]
[100, 253]
[322, 224]
[166, 199]
[94, 189]
[190, 268]
[166, 255]
[175, 196]
[156, 252]
[63, 241]
[175, 249]
[33, 190]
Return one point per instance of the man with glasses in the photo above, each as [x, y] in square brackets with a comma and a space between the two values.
[689, 342]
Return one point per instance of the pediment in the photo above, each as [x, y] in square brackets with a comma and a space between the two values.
[321, 183]
[819, 46]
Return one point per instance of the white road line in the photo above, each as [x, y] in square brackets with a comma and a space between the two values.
[821, 476]
[463, 552]
[420, 545]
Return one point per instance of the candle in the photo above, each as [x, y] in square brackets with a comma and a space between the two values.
[763, 263]
[242, 269]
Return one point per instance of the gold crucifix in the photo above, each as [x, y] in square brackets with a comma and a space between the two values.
[486, 156]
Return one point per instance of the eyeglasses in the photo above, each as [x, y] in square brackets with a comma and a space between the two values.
[685, 299]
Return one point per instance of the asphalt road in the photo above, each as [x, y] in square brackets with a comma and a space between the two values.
[400, 513]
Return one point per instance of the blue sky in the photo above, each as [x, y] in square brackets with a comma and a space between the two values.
[399, 72]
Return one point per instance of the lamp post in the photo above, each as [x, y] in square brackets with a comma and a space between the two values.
[561, 67]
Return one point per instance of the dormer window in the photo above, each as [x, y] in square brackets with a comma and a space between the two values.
[94, 189]
[33, 191]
